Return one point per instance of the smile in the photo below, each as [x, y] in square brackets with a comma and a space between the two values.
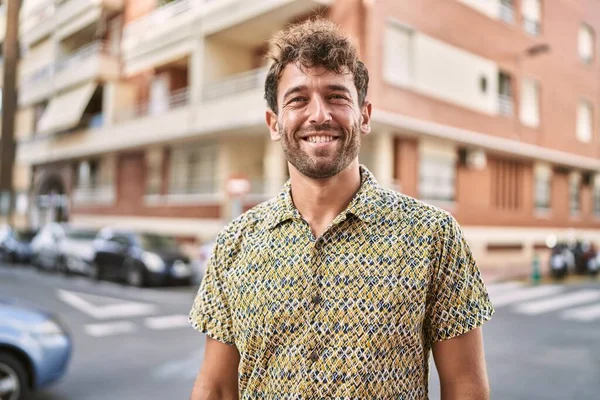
[320, 139]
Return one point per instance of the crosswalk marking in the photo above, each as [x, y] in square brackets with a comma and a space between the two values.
[110, 328]
[495, 288]
[558, 302]
[524, 294]
[167, 322]
[582, 314]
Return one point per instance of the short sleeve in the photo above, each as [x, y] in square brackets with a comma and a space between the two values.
[457, 301]
[210, 313]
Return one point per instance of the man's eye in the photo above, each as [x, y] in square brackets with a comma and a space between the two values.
[297, 99]
[338, 97]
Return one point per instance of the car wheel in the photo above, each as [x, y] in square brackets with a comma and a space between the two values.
[95, 271]
[14, 382]
[135, 276]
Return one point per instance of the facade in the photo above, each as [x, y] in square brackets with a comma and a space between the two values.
[134, 113]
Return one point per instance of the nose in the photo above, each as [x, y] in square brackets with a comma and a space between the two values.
[319, 111]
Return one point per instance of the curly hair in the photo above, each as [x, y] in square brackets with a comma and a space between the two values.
[314, 43]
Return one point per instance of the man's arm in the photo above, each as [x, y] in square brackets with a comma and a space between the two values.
[218, 376]
[460, 362]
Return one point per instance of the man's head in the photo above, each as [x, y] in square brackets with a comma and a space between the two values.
[316, 93]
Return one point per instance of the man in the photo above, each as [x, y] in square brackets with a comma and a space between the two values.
[337, 288]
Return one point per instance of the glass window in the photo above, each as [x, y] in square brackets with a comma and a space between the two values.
[437, 178]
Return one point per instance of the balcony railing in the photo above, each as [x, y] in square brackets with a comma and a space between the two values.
[507, 13]
[178, 98]
[102, 194]
[91, 50]
[250, 80]
[532, 26]
[505, 104]
[157, 17]
[33, 78]
[41, 12]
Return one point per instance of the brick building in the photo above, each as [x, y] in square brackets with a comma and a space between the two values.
[136, 112]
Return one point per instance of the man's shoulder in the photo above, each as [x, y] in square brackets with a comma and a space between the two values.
[396, 205]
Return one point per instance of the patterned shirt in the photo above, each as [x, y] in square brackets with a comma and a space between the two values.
[351, 314]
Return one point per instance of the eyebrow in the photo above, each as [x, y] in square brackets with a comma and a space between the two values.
[299, 88]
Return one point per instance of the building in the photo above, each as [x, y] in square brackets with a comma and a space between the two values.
[136, 113]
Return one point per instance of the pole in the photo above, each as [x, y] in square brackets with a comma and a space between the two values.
[9, 106]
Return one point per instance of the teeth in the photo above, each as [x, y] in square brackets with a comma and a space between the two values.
[320, 139]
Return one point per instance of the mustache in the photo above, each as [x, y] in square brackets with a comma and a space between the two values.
[318, 129]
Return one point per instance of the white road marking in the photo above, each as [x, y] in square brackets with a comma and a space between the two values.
[558, 302]
[116, 308]
[582, 314]
[168, 322]
[186, 368]
[496, 288]
[523, 294]
[109, 328]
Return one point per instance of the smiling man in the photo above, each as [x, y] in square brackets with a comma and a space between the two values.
[336, 288]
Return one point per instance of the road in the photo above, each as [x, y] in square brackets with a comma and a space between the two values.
[133, 344]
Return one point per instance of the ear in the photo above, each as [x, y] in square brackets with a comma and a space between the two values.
[365, 114]
[271, 118]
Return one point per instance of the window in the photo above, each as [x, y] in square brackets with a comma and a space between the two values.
[193, 170]
[88, 174]
[397, 53]
[507, 11]
[505, 97]
[530, 103]
[575, 193]
[586, 43]
[507, 184]
[543, 187]
[437, 175]
[585, 121]
[154, 166]
[596, 195]
[531, 10]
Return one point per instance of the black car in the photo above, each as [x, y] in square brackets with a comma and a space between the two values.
[15, 245]
[140, 259]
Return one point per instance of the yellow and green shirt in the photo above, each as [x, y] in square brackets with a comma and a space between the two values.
[351, 314]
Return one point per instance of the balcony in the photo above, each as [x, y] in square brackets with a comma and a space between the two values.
[91, 62]
[251, 23]
[164, 34]
[505, 105]
[94, 195]
[178, 99]
[244, 82]
[36, 86]
[72, 15]
[37, 23]
[507, 13]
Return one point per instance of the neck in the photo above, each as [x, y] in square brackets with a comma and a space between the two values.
[319, 201]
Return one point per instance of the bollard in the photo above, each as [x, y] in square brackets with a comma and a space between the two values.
[536, 275]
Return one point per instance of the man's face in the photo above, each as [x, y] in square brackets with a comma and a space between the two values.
[319, 121]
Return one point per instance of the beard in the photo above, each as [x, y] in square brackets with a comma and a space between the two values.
[321, 163]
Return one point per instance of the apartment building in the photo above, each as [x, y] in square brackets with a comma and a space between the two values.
[137, 113]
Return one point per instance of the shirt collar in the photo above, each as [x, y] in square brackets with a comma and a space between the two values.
[364, 205]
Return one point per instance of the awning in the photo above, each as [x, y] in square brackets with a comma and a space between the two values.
[66, 109]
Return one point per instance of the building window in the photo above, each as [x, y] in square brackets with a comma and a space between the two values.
[575, 193]
[397, 54]
[543, 187]
[505, 96]
[507, 184]
[530, 103]
[193, 170]
[586, 43]
[507, 11]
[532, 12]
[585, 121]
[596, 195]
[437, 177]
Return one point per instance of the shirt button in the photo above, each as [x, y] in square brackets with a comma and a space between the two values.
[314, 356]
[317, 299]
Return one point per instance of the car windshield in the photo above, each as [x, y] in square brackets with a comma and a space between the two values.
[82, 234]
[158, 242]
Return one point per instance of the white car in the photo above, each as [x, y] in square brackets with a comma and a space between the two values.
[76, 251]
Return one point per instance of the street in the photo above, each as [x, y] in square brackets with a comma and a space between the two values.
[136, 343]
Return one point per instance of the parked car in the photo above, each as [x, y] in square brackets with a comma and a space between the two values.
[35, 349]
[140, 259]
[46, 246]
[76, 250]
[15, 245]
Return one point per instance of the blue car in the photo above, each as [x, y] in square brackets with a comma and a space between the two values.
[35, 349]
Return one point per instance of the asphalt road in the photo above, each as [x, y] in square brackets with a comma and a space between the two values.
[133, 344]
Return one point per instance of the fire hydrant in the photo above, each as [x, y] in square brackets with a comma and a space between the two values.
[536, 274]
